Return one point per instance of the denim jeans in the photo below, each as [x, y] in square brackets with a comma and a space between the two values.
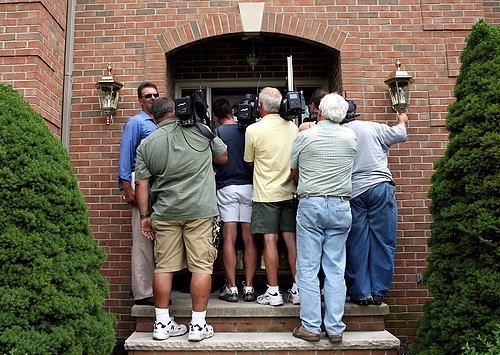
[323, 224]
[372, 242]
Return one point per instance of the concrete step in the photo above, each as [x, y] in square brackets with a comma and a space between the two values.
[253, 317]
[371, 342]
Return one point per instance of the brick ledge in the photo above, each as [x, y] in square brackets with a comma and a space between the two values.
[181, 307]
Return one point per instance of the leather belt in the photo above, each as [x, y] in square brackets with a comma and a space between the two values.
[345, 198]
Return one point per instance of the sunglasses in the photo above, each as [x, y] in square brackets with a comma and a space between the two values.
[148, 96]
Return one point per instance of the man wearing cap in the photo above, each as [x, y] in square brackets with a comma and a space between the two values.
[372, 240]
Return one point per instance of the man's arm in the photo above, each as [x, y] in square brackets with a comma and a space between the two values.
[142, 197]
[294, 175]
[126, 159]
[221, 159]
[128, 192]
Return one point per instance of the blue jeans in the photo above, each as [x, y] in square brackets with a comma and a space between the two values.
[322, 227]
[372, 242]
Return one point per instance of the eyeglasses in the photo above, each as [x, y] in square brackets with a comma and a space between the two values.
[148, 96]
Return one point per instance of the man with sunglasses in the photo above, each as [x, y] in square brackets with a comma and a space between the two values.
[135, 130]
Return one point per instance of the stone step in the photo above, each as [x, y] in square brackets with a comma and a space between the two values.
[253, 317]
[371, 342]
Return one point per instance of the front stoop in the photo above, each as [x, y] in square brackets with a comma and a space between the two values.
[381, 342]
[252, 328]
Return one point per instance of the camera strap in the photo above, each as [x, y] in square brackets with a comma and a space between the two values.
[205, 131]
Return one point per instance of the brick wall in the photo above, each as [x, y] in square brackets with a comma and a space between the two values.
[365, 36]
[32, 41]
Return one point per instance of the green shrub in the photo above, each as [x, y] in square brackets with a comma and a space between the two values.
[51, 292]
[493, 348]
[462, 270]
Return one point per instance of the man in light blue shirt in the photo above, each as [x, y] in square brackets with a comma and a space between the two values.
[323, 158]
[135, 130]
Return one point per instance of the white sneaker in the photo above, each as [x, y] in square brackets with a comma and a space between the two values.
[198, 333]
[294, 297]
[229, 294]
[171, 329]
[273, 299]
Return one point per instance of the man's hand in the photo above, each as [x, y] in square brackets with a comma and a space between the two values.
[147, 229]
[129, 193]
[402, 118]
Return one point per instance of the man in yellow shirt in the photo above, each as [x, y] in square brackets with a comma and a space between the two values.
[268, 145]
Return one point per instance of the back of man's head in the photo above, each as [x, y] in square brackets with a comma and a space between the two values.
[333, 107]
[317, 95]
[270, 99]
[143, 85]
[161, 107]
[221, 109]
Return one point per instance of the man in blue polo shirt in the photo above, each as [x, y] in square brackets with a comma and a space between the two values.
[234, 198]
[135, 130]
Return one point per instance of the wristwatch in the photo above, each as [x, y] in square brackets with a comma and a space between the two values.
[143, 216]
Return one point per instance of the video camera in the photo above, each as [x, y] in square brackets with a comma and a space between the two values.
[246, 111]
[293, 106]
[192, 109]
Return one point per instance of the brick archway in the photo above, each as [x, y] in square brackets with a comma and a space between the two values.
[285, 24]
[316, 31]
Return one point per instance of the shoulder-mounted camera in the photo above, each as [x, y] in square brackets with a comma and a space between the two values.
[293, 106]
[246, 111]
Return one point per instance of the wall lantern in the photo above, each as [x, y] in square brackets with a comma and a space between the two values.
[399, 82]
[108, 94]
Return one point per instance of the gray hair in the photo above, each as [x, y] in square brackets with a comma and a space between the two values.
[271, 99]
[161, 107]
[333, 107]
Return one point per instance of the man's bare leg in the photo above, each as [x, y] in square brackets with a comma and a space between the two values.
[229, 234]
[162, 286]
[200, 291]
[271, 258]
[291, 247]
[250, 255]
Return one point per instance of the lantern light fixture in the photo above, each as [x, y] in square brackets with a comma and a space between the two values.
[108, 94]
[399, 82]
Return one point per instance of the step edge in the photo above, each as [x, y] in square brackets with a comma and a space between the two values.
[370, 340]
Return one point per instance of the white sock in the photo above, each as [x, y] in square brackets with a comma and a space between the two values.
[198, 318]
[295, 288]
[273, 289]
[162, 315]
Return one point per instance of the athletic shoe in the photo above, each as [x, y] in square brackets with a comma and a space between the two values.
[229, 294]
[171, 329]
[248, 293]
[272, 299]
[294, 297]
[198, 333]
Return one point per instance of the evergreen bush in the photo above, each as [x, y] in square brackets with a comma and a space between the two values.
[462, 269]
[51, 292]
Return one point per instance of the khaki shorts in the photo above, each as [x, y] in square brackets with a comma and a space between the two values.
[273, 217]
[181, 244]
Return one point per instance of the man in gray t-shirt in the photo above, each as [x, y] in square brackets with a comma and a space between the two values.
[372, 240]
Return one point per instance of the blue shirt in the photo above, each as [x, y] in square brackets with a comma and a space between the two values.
[236, 171]
[135, 130]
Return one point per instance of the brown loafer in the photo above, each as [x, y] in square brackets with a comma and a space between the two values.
[303, 333]
[335, 338]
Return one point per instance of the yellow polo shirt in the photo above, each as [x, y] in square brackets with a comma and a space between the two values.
[268, 144]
